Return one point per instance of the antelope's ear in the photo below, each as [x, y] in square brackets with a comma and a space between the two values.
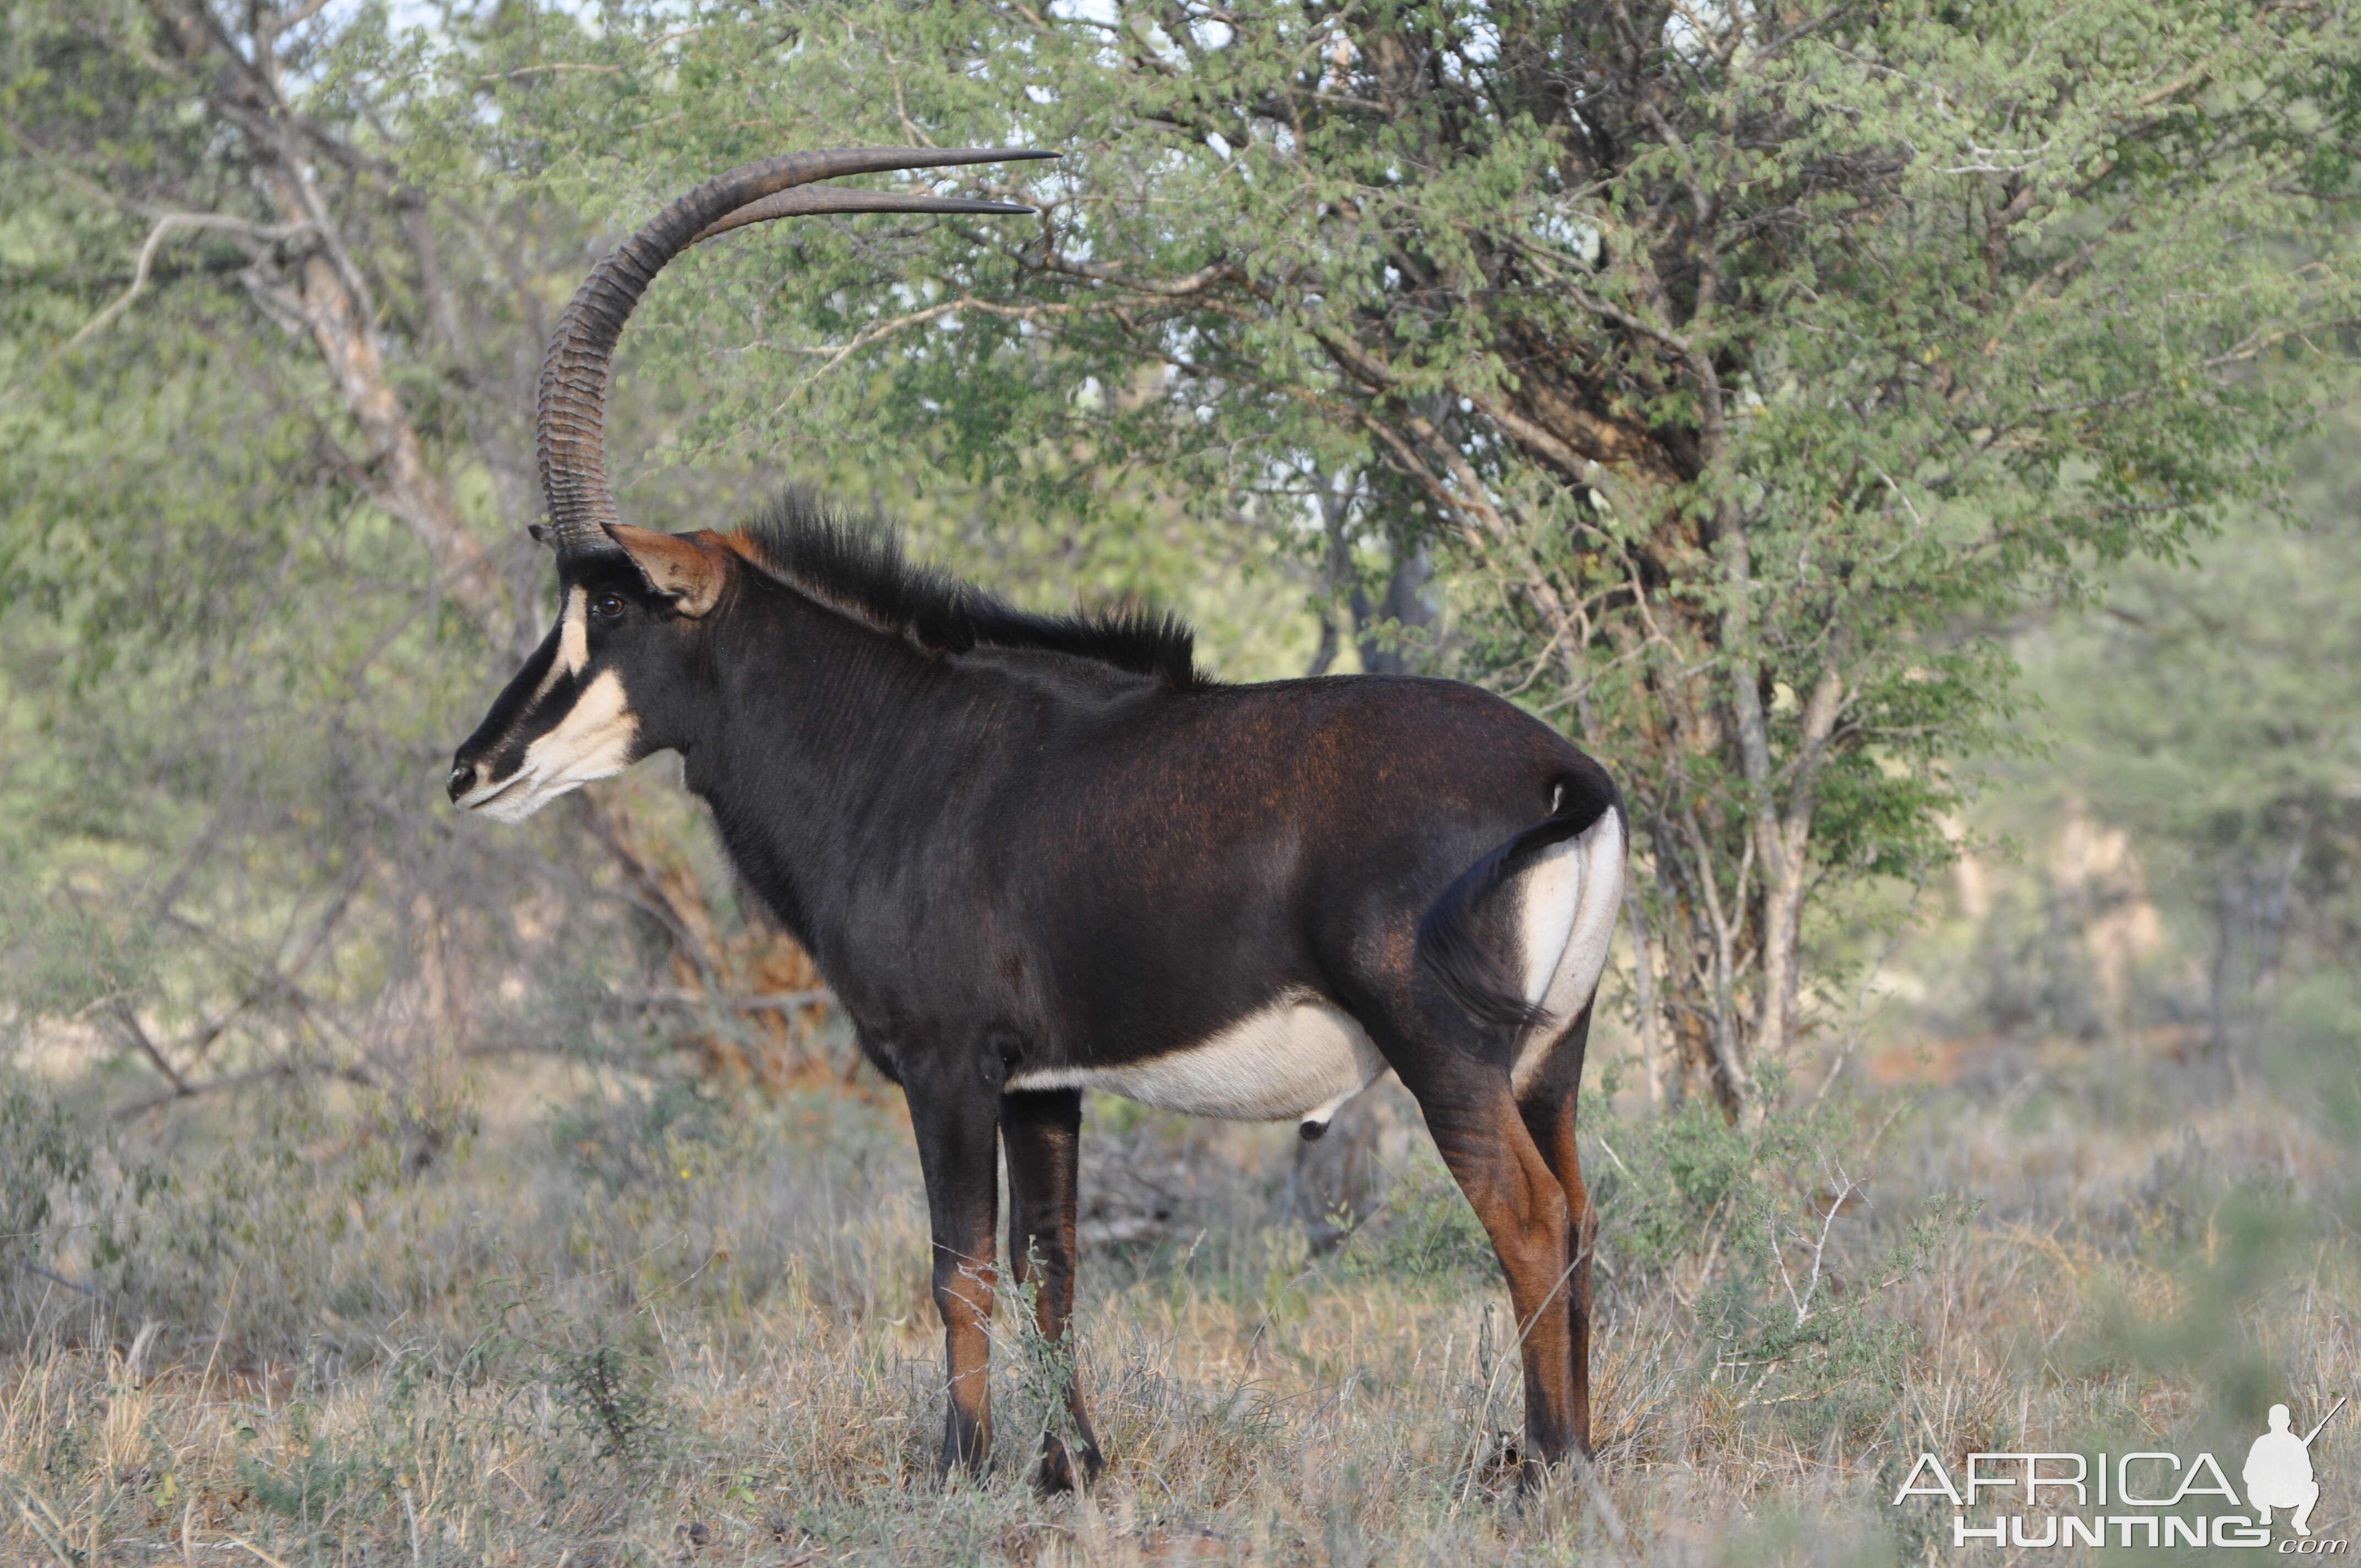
[681, 566]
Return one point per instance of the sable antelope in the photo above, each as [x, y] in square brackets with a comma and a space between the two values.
[1036, 855]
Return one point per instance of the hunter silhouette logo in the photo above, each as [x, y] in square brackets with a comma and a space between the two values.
[2146, 1497]
[2278, 1471]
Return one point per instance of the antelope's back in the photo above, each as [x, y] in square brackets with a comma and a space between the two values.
[1192, 857]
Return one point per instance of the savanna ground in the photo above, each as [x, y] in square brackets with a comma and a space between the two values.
[639, 1318]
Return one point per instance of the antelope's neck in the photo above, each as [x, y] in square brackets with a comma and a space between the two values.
[830, 748]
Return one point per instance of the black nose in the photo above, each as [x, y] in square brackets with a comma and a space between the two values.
[462, 780]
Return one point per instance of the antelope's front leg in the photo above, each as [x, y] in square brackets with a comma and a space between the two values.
[1042, 1131]
[957, 1119]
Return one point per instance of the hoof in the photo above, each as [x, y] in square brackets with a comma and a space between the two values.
[1538, 1474]
[1057, 1472]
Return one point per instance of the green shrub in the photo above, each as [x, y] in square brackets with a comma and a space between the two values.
[47, 1153]
[610, 1390]
[1424, 1232]
[1769, 1225]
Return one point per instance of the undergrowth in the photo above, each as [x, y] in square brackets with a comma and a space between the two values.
[654, 1324]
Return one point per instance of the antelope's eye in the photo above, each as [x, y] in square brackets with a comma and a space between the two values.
[607, 606]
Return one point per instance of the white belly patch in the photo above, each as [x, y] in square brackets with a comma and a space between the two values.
[1300, 1058]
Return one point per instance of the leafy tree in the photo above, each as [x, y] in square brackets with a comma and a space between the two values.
[1734, 362]
[265, 465]
[266, 369]
[2206, 712]
[1728, 368]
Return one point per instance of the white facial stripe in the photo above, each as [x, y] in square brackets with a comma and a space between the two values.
[594, 740]
[1592, 899]
[1301, 1056]
[573, 640]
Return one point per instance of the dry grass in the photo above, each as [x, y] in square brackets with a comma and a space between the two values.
[662, 1330]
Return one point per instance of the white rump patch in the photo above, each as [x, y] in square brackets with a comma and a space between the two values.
[596, 740]
[1568, 903]
[1300, 1058]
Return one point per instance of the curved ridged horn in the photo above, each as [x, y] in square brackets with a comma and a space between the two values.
[572, 416]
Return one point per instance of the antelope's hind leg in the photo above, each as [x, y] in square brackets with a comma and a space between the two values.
[1483, 1139]
[1547, 1104]
[1042, 1133]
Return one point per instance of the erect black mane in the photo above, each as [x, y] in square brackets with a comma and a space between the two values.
[860, 566]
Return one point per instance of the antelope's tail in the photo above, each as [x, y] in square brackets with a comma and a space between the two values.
[1477, 977]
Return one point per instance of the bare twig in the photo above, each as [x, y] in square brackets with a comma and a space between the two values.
[43, 1271]
[760, 1002]
[184, 1090]
[128, 1017]
[275, 1562]
[164, 228]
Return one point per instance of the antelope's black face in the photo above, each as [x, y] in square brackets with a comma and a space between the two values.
[621, 650]
[567, 718]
